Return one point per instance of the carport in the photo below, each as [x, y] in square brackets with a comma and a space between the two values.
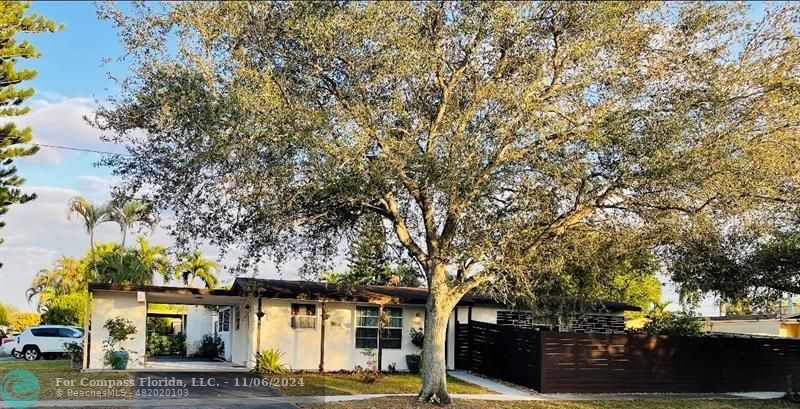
[108, 301]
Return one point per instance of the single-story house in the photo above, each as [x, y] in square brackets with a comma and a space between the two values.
[258, 314]
[755, 324]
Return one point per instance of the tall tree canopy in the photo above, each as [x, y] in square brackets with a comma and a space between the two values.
[482, 132]
[14, 20]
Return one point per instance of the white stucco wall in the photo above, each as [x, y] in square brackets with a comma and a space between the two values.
[302, 346]
[199, 322]
[486, 314]
[107, 305]
[761, 327]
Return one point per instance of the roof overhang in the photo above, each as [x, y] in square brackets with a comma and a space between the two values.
[171, 295]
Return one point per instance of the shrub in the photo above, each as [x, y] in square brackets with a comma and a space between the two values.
[211, 347]
[370, 374]
[166, 344]
[680, 324]
[119, 330]
[268, 362]
[74, 350]
[68, 309]
[417, 337]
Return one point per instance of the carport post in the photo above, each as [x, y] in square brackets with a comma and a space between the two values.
[259, 314]
[86, 335]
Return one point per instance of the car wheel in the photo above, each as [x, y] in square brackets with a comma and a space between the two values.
[31, 353]
[16, 354]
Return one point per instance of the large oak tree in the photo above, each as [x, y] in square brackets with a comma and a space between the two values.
[483, 133]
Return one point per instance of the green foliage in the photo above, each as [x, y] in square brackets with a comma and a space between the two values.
[74, 350]
[371, 373]
[4, 318]
[369, 263]
[173, 344]
[138, 266]
[128, 213]
[194, 265]
[66, 309]
[14, 20]
[268, 362]
[159, 326]
[68, 275]
[417, 337]
[674, 324]
[745, 268]
[24, 320]
[211, 347]
[120, 329]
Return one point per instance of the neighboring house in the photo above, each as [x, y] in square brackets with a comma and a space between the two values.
[765, 325]
[257, 314]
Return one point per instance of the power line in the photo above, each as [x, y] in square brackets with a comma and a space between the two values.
[72, 148]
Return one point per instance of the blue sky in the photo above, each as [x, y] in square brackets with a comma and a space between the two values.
[71, 78]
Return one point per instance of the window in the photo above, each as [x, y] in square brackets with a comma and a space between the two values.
[367, 327]
[45, 332]
[367, 324]
[304, 316]
[392, 336]
[238, 317]
[68, 333]
[224, 320]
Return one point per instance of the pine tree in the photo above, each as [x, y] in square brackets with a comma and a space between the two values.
[13, 20]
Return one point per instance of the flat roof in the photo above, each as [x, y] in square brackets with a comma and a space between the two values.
[309, 290]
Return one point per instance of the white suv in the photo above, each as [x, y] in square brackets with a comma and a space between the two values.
[45, 341]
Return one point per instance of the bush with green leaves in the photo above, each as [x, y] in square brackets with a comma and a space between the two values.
[120, 329]
[66, 309]
[680, 324]
[268, 362]
[211, 347]
[417, 337]
[174, 344]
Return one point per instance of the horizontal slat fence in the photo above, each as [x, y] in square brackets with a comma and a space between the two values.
[502, 352]
[595, 363]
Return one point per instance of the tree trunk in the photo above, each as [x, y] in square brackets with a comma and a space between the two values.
[434, 369]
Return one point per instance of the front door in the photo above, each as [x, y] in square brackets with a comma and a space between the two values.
[224, 330]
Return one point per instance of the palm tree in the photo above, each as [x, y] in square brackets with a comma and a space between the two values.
[68, 275]
[128, 213]
[92, 214]
[155, 259]
[194, 265]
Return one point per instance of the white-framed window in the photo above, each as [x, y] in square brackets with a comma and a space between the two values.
[304, 316]
[392, 336]
[367, 324]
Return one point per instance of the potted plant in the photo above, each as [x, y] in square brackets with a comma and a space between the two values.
[413, 360]
[119, 330]
[74, 351]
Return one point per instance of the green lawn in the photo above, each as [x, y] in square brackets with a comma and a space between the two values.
[410, 403]
[346, 384]
[59, 381]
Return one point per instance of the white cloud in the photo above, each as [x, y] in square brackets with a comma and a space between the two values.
[60, 121]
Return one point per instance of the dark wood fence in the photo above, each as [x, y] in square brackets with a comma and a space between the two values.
[502, 352]
[563, 362]
[635, 363]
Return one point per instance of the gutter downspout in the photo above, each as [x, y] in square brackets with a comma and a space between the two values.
[322, 340]
[380, 330]
[259, 314]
